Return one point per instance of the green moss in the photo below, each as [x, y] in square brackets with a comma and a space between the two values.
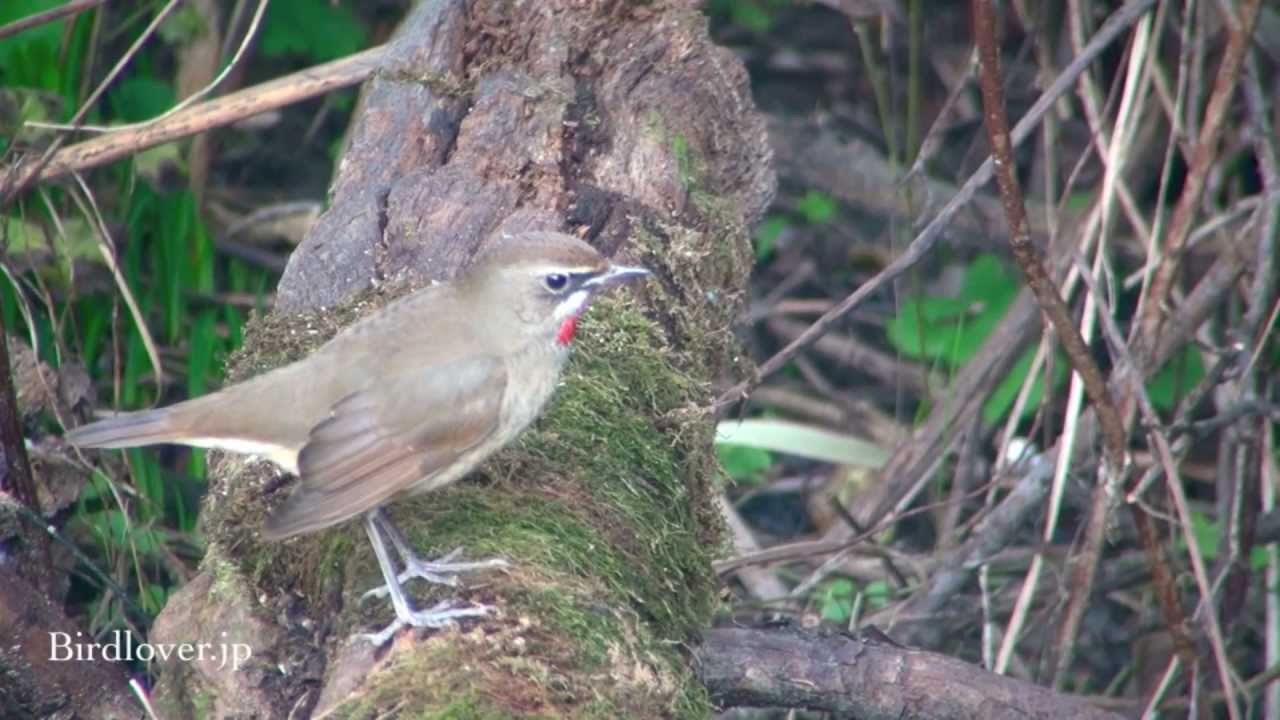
[468, 708]
[227, 580]
[202, 704]
[616, 426]
[418, 685]
[184, 694]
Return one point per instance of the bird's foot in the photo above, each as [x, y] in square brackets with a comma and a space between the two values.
[439, 572]
[441, 614]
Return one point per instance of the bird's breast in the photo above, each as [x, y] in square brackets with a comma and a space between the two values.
[532, 377]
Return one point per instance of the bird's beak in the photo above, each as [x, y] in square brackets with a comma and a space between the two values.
[614, 275]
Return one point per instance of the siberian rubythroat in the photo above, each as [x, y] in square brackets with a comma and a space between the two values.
[402, 402]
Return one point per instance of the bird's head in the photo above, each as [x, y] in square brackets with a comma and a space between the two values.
[545, 279]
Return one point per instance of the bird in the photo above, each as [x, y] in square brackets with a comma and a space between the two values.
[402, 402]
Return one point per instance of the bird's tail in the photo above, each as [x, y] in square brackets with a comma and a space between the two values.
[147, 427]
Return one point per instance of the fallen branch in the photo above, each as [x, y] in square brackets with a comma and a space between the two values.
[867, 678]
[205, 116]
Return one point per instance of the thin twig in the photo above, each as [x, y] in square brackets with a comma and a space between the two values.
[1151, 305]
[760, 583]
[932, 233]
[1024, 249]
[1113, 148]
[73, 7]
[221, 111]
[188, 101]
[1173, 481]
[1264, 149]
[991, 536]
[1051, 304]
[9, 190]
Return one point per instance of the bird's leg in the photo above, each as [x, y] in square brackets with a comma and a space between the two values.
[440, 572]
[438, 616]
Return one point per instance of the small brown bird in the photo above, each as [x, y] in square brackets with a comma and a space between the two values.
[402, 402]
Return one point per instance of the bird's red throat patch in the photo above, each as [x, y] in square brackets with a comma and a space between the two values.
[567, 330]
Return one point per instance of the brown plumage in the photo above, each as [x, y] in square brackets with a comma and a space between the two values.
[404, 401]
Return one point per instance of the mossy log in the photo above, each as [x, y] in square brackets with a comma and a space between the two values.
[619, 121]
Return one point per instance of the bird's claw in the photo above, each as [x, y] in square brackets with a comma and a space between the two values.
[441, 614]
[438, 572]
[443, 571]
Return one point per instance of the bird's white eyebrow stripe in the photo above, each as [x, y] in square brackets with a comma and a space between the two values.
[581, 270]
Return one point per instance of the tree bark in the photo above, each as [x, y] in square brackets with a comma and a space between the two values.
[40, 676]
[869, 679]
[620, 122]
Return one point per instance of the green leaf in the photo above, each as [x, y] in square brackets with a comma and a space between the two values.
[314, 29]
[95, 322]
[19, 105]
[952, 330]
[156, 165]
[817, 208]
[97, 488]
[1079, 202]
[30, 58]
[928, 327]
[753, 15]
[202, 347]
[140, 98]
[343, 100]
[877, 594]
[743, 463]
[1001, 401]
[801, 440]
[1259, 558]
[1180, 374]
[26, 242]
[989, 289]
[768, 233]
[988, 279]
[22, 238]
[154, 598]
[1208, 534]
[78, 242]
[115, 530]
[836, 601]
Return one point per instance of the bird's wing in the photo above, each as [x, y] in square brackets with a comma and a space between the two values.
[379, 441]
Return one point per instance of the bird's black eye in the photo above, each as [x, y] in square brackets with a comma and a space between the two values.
[556, 282]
